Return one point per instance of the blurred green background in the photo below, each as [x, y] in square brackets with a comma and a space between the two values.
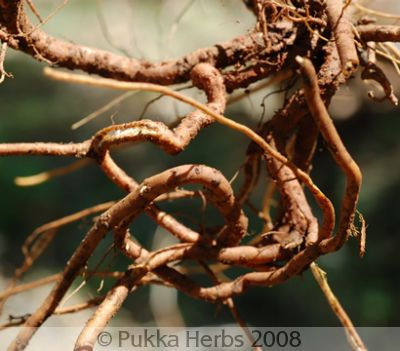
[34, 108]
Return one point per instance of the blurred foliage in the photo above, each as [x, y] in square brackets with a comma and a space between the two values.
[35, 109]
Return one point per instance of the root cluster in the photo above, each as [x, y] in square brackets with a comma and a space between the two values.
[321, 43]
